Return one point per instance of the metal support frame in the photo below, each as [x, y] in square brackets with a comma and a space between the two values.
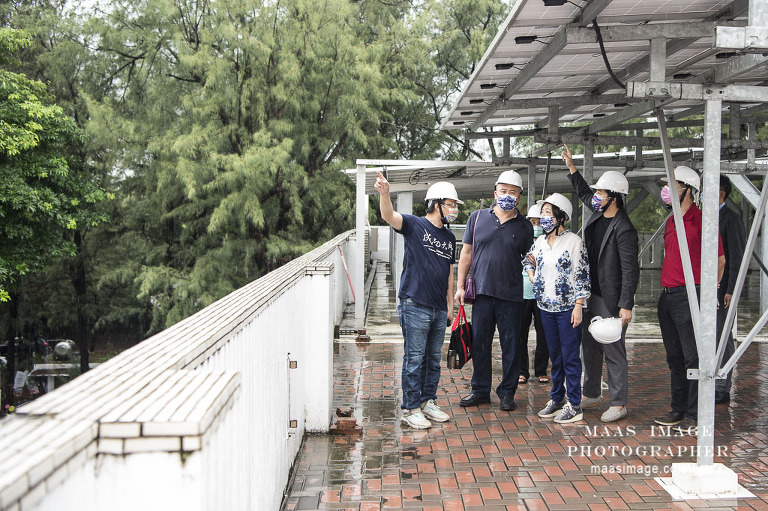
[531, 185]
[740, 279]
[589, 167]
[361, 217]
[682, 241]
[705, 341]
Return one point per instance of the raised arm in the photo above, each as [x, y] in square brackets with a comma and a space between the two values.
[577, 180]
[388, 212]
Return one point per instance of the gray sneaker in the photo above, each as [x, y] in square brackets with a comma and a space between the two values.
[415, 419]
[614, 413]
[569, 414]
[551, 409]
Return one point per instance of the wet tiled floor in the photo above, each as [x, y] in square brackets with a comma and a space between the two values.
[487, 459]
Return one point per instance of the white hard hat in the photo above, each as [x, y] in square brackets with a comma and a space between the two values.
[535, 210]
[561, 202]
[605, 330]
[612, 181]
[442, 190]
[688, 176]
[510, 177]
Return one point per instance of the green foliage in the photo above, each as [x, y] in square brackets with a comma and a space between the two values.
[222, 128]
[43, 195]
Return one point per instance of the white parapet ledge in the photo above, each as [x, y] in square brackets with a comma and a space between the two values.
[164, 421]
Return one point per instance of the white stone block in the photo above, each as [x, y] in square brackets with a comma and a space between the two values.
[33, 497]
[191, 443]
[119, 430]
[157, 444]
[704, 479]
[110, 446]
[57, 478]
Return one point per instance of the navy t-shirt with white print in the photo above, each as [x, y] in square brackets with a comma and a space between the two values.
[429, 255]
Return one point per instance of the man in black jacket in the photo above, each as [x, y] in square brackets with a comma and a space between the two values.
[612, 247]
[734, 240]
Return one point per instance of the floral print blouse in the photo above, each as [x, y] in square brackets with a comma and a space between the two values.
[561, 272]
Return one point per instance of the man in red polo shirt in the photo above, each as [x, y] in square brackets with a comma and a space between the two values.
[674, 313]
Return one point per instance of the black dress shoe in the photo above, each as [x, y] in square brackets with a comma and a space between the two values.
[474, 400]
[722, 397]
[508, 404]
[670, 419]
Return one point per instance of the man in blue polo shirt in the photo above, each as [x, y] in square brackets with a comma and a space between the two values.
[426, 296]
[495, 242]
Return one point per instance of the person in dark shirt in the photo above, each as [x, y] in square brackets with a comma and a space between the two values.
[426, 296]
[612, 248]
[734, 240]
[495, 241]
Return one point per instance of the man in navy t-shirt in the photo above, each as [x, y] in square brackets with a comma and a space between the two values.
[426, 296]
[495, 242]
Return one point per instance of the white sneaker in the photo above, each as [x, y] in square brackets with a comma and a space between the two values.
[433, 412]
[589, 402]
[415, 419]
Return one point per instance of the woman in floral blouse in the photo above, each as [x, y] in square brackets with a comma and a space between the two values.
[557, 265]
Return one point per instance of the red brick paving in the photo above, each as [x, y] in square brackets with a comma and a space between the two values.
[488, 459]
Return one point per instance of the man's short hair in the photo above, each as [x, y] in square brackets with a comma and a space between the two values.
[726, 186]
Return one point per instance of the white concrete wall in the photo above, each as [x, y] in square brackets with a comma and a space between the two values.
[242, 456]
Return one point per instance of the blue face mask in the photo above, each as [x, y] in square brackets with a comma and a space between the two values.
[537, 231]
[506, 202]
[548, 224]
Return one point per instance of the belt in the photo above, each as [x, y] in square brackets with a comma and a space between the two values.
[673, 290]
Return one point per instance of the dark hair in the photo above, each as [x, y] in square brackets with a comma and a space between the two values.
[431, 203]
[559, 214]
[618, 199]
[725, 185]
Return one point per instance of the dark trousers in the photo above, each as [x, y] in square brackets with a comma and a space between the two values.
[724, 386]
[615, 355]
[487, 314]
[530, 313]
[680, 345]
[564, 342]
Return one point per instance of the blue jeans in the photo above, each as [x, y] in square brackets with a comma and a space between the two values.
[563, 341]
[423, 333]
[487, 314]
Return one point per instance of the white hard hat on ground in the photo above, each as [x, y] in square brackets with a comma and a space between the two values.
[688, 176]
[442, 190]
[605, 330]
[559, 200]
[510, 177]
[535, 210]
[612, 181]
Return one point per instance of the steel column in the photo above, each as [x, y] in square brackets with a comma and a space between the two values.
[705, 341]
[693, 300]
[358, 277]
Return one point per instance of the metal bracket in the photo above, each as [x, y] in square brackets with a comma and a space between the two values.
[741, 38]
[693, 374]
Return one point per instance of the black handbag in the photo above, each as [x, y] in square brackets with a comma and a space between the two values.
[460, 346]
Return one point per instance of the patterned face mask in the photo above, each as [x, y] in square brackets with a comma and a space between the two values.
[451, 214]
[506, 202]
[597, 202]
[548, 224]
[537, 231]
